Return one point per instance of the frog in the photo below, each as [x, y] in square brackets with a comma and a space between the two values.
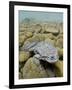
[43, 51]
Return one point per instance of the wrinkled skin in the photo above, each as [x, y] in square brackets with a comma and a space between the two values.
[43, 51]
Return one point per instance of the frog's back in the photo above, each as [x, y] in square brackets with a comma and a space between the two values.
[44, 48]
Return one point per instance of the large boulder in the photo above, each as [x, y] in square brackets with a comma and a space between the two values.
[33, 69]
[52, 30]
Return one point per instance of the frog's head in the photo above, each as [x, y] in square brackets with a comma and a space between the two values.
[53, 56]
[50, 59]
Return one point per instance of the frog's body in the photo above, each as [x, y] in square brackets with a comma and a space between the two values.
[43, 51]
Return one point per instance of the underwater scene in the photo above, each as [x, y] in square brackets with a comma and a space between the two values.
[40, 44]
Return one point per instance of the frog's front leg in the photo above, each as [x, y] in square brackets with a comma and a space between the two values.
[37, 56]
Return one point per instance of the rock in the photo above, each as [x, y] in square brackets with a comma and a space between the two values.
[58, 68]
[49, 35]
[37, 28]
[33, 69]
[61, 27]
[59, 43]
[52, 30]
[50, 41]
[21, 33]
[25, 33]
[40, 37]
[50, 72]
[22, 29]
[35, 38]
[60, 51]
[30, 40]
[22, 38]
[23, 56]
[60, 36]
[43, 29]
[53, 70]
[28, 34]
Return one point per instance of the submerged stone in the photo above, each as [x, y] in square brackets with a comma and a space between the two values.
[59, 43]
[52, 30]
[23, 56]
[59, 68]
[33, 69]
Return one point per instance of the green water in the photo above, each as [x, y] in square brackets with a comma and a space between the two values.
[41, 16]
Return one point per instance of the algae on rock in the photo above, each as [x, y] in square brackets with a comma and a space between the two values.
[33, 69]
[59, 68]
[23, 56]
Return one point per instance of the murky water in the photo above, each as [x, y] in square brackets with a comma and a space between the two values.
[40, 27]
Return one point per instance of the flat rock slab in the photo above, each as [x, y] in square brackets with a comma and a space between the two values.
[33, 69]
[52, 30]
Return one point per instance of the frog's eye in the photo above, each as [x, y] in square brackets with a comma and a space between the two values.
[52, 58]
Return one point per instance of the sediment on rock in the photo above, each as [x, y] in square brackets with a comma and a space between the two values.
[33, 69]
